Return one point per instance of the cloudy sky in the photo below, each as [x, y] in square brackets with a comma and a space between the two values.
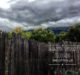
[31, 14]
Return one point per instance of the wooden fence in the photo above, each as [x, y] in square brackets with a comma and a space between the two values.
[19, 56]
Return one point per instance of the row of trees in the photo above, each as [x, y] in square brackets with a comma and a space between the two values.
[45, 35]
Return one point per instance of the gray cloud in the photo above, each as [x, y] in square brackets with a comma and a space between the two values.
[41, 11]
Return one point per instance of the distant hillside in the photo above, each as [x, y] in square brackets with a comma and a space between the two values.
[59, 29]
[56, 30]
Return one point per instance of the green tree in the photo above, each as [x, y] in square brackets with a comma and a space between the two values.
[74, 32]
[43, 35]
[63, 36]
[57, 38]
[10, 35]
[26, 35]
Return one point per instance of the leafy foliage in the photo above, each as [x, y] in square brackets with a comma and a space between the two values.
[63, 36]
[26, 35]
[74, 33]
[10, 35]
[43, 35]
[57, 38]
[46, 35]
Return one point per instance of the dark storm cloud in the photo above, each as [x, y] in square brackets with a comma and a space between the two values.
[41, 11]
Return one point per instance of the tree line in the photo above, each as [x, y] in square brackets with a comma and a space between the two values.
[46, 35]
